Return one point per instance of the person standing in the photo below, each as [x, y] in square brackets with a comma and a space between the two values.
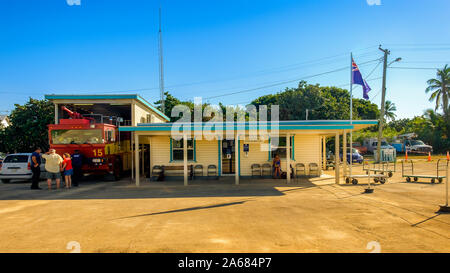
[53, 167]
[77, 163]
[68, 170]
[36, 168]
[276, 164]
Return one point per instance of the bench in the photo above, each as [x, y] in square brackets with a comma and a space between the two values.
[161, 171]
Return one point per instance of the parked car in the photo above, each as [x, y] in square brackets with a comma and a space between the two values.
[356, 157]
[361, 149]
[18, 166]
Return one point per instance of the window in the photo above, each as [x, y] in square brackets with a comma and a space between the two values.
[16, 159]
[94, 136]
[109, 136]
[281, 149]
[177, 150]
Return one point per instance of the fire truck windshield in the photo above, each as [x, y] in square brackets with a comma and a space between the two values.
[77, 136]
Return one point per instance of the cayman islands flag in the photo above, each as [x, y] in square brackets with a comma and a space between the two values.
[358, 79]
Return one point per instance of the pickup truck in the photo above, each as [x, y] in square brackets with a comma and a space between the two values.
[412, 146]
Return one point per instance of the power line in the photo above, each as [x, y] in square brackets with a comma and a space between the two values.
[418, 68]
[284, 82]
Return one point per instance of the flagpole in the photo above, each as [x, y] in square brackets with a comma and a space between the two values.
[351, 115]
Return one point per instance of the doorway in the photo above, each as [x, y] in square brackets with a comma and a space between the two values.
[228, 157]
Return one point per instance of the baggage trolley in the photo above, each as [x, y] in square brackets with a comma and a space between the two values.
[408, 171]
[388, 168]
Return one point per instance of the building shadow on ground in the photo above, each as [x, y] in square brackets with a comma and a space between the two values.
[126, 189]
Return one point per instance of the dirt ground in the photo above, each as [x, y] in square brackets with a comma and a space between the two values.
[308, 215]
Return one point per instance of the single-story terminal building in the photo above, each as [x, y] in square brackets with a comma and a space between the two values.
[298, 142]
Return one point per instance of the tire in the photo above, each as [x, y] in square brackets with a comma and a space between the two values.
[390, 174]
[440, 180]
[416, 179]
[354, 181]
[6, 181]
[408, 179]
[432, 181]
[347, 180]
[383, 180]
[376, 180]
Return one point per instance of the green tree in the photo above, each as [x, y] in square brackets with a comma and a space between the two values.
[389, 110]
[321, 103]
[28, 127]
[440, 89]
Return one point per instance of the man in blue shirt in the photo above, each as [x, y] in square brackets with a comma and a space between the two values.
[36, 168]
[77, 163]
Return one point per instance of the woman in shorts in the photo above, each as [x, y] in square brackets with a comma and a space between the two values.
[68, 170]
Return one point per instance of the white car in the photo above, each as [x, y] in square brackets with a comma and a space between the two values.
[18, 166]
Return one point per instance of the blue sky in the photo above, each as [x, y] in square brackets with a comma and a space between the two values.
[218, 47]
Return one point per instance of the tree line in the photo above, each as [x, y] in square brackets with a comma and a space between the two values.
[29, 121]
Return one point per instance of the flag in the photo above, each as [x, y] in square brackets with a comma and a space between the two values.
[358, 79]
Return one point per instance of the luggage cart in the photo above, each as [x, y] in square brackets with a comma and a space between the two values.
[382, 178]
[388, 168]
[408, 171]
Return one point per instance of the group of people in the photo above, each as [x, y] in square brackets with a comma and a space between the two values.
[56, 167]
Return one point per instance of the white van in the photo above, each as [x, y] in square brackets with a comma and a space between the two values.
[18, 166]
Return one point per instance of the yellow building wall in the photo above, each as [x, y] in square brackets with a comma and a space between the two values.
[206, 153]
[258, 154]
[307, 150]
[141, 112]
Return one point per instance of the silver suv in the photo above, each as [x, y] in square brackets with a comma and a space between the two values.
[18, 166]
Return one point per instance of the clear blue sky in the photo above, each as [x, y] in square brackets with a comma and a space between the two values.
[217, 47]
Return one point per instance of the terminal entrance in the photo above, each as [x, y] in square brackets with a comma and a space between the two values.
[228, 157]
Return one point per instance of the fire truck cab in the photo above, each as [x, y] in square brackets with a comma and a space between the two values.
[90, 125]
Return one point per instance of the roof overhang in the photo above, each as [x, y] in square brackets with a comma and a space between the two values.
[295, 125]
[93, 98]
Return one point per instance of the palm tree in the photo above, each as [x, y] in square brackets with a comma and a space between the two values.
[389, 109]
[440, 88]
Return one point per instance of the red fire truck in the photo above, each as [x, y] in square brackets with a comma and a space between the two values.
[102, 146]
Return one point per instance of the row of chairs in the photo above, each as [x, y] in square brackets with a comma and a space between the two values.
[300, 169]
[194, 171]
[210, 171]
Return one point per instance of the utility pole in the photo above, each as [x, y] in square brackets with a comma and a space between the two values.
[161, 65]
[383, 97]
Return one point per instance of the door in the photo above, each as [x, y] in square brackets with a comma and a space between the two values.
[228, 157]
